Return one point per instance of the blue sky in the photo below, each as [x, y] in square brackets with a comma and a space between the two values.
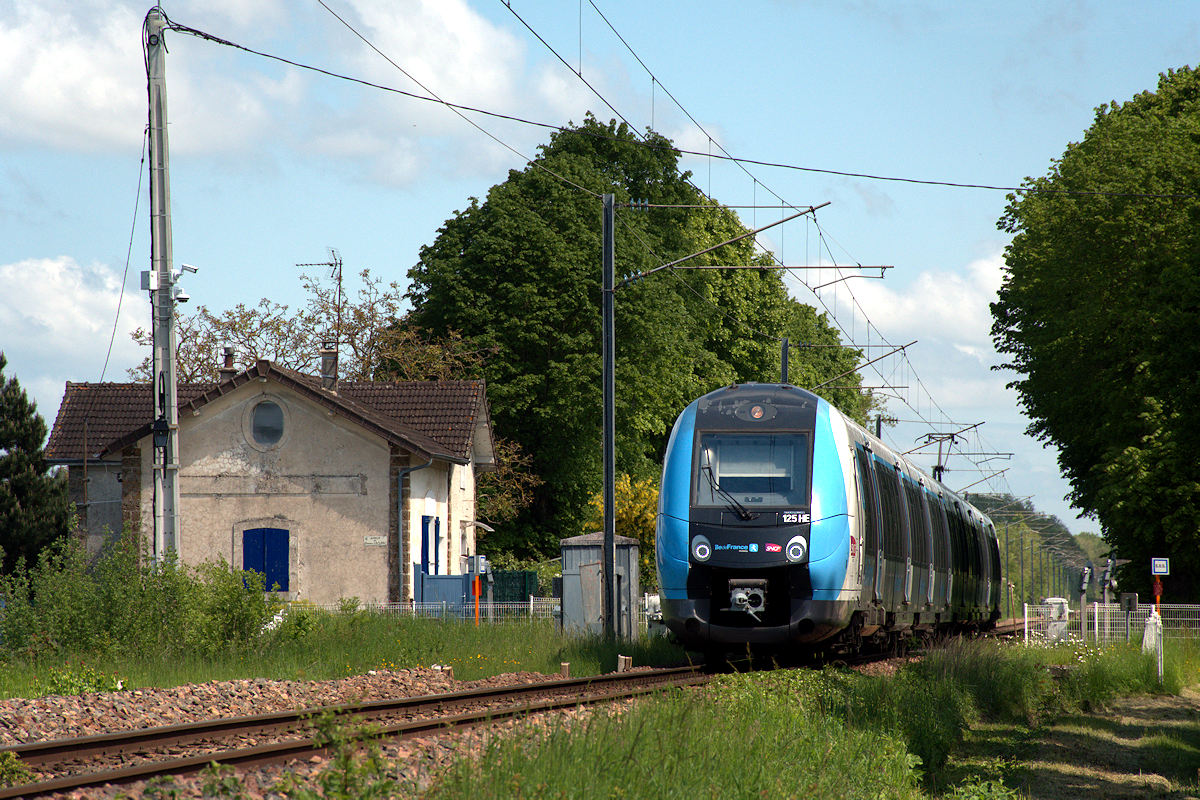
[271, 165]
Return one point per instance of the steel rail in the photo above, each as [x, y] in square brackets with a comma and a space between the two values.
[637, 683]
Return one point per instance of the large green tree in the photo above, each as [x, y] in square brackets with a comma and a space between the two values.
[1098, 314]
[519, 274]
[34, 509]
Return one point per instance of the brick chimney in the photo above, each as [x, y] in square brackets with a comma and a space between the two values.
[329, 365]
[227, 370]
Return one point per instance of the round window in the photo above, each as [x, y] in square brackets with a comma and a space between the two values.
[266, 423]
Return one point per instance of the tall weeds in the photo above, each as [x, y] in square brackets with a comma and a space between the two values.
[121, 604]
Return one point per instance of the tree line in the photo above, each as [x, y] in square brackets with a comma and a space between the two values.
[1097, 315]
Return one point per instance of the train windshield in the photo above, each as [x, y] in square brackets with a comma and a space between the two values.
[760, 469]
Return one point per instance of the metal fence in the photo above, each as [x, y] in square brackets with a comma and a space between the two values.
[1106, 622]
[533, 608]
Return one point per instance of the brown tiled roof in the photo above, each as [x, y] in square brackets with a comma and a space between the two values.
[431, 418]
[110, 410]
[445, 411]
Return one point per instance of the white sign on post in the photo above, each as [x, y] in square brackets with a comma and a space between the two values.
[1160, 566]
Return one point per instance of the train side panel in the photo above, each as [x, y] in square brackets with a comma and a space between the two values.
[671, 552]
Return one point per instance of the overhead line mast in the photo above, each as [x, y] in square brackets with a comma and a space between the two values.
[161, 285]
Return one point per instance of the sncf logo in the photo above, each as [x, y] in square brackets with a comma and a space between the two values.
[771, 547]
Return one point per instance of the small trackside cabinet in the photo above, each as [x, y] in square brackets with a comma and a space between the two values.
[582, 584]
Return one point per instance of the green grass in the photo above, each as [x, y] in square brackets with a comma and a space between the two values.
[682, 745]
[71, 624]
[320, 645]
[829, 733]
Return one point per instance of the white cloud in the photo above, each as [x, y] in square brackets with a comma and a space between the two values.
[72, 73]
[75, 79]
[944, 308]
[56, 319]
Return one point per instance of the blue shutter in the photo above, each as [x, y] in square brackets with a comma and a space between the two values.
[252, 550]
[275, 558]
[437, 545]
[265, 550]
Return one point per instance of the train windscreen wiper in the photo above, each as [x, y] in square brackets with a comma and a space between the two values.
[733, 504]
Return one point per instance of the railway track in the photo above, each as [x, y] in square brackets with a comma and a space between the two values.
[127, 757]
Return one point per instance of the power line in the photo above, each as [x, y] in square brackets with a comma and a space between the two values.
[459, 109]
[456, 108]
[128, 254]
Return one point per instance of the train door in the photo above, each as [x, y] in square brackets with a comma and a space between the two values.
[958, 558]
[944, 575]
[985, 564]
[918, 530]
[930, 556]
[872, 544]
[996, 599]
[895, 531]
[908, 534]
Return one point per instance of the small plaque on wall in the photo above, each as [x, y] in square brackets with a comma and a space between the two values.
[375, 541]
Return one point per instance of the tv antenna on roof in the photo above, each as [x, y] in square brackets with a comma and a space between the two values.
[335, 271]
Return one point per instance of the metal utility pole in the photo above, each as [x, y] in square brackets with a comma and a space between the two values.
[160, 282]
[608, 259]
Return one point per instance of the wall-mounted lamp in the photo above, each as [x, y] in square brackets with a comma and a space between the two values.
[160, 431]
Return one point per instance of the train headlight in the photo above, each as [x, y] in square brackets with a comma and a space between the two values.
[796, 549]
[701, 548]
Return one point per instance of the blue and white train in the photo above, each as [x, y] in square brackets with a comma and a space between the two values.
[784, 526]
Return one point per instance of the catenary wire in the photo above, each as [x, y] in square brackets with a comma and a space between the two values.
[823, 236]
[458, 109]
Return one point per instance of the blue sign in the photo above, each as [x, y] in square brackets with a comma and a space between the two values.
[1160, 566]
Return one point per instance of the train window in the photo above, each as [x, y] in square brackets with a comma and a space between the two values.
[762, 469]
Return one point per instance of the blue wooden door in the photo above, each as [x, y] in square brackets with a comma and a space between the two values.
[265, 550]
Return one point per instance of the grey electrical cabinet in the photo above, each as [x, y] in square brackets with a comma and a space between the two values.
[583, 588]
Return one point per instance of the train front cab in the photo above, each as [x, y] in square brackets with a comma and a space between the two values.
[753, 539]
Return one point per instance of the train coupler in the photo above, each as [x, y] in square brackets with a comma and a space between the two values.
[748, 595]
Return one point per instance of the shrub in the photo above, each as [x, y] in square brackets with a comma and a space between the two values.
[122, 603]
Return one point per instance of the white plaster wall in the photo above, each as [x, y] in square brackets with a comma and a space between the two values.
[428, 497]
[445, 491]
[462, 511]
[326, 482]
